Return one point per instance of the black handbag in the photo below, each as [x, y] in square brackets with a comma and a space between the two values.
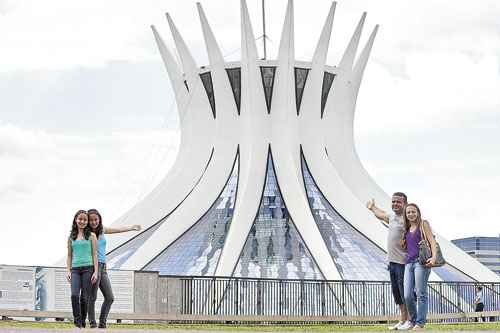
[425, 251]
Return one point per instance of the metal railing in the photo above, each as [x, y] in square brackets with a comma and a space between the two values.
[272, 297]
[223, 299]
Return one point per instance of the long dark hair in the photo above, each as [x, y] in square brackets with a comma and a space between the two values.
[74, 226]
[99, 230]
[407, 223]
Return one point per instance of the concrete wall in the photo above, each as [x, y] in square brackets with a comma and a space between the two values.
[157, 294]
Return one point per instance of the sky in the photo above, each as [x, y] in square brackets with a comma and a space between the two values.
[88, 118]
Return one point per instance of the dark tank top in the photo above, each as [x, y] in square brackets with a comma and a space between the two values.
[412, 240]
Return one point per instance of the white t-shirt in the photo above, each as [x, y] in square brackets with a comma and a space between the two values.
[395, 252]
[479, 297]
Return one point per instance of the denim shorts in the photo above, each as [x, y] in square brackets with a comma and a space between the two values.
[397, 273]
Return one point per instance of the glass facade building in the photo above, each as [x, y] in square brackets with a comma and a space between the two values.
[356, 257]
[485, 249]
[274, 247]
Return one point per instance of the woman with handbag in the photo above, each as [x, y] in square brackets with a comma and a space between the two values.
[418, 264]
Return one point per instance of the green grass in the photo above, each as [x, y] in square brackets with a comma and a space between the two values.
[260, 328]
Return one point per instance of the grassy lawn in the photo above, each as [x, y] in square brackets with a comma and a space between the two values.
[260, 328]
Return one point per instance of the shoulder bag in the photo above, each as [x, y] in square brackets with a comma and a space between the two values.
[425, 250]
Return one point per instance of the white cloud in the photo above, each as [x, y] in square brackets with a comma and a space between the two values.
[49, 176]
[427, 117]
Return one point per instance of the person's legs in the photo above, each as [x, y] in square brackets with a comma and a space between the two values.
[409, 285]
[479, 308]
[396, 274]
[107, 292]
[421, 277]
[86, 285]
[75, 296]
[92, 298]
[400, 273]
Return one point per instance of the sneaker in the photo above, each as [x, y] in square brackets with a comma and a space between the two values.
[395, 327]
[102, 325]
[405, 326]
[418, 328]
[93, 324]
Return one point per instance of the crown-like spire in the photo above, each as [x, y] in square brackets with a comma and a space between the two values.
[350, 52]
[321, 51]
[360, 66]
[174, 73]
[248, 47]
[187, 60]
[214, 53]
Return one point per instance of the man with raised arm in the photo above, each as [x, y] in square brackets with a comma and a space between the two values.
[395, 254]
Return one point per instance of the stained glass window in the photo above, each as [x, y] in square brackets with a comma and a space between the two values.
[206, 78]
[234, 75]
[450, 273]
[274, 248]
[267, 74]
[355, 256]
[197, 252]
[115, 259]
[325, 90]
[300, 83]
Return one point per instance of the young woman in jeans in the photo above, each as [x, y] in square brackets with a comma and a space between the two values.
[416, 275]
[95, 222]
[82, 268]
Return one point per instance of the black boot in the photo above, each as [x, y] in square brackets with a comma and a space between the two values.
[83, 309]
[77, 323]
[77, 315]
[102, 324]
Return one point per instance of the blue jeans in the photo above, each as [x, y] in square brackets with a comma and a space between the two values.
[80, 291]
[415, 281]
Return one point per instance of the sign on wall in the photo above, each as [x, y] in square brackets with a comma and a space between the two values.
[47, 289]
[17, 287]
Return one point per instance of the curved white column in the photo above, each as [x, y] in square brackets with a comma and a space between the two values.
[208, 189]
[187, 60]
[286, 152]
[326, 176]
[197, 131]
[339, 117]
[191, 211]
[253, 150]
[191, 187]
[174, 73]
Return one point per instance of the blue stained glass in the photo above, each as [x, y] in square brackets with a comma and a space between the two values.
[355, 256]
[118, 257]
[197, 252]
[451, 274]
[464, 292]
[274, 248]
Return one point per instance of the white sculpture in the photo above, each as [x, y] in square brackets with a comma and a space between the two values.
[267, 182]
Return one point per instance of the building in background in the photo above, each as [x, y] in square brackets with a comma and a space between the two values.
[267, 182]
[484, 249]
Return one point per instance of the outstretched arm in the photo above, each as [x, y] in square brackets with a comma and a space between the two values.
[379, 213]
[135, 227]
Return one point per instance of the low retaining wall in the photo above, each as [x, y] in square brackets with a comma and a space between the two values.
[142, 295]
